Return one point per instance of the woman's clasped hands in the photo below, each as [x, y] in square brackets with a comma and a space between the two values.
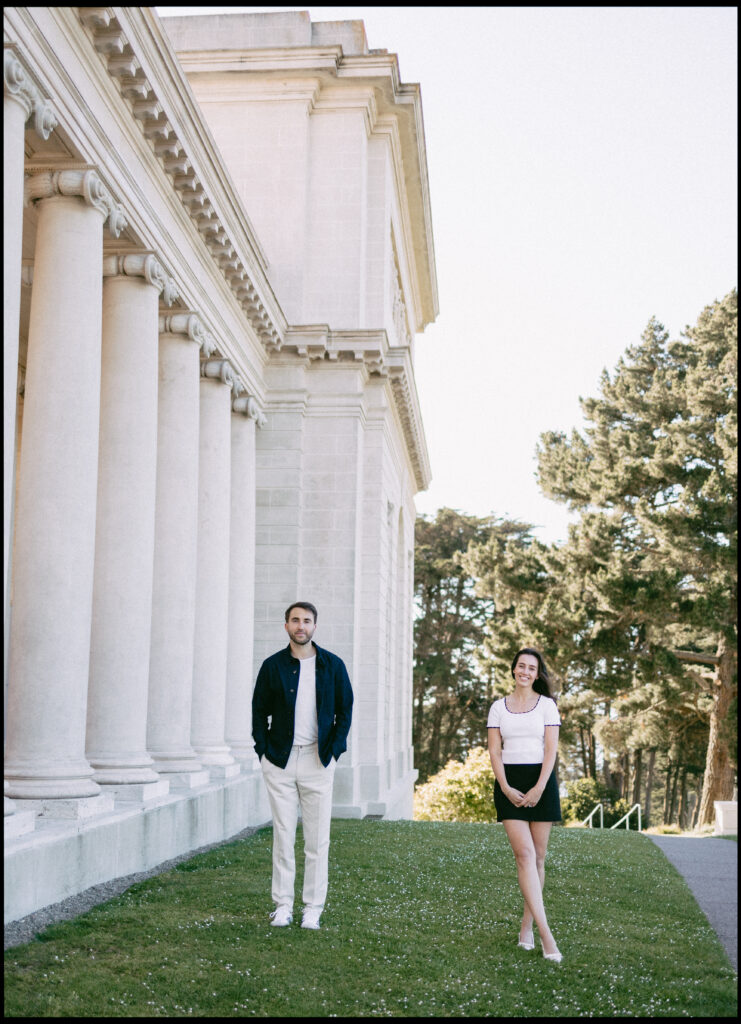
[529, 799]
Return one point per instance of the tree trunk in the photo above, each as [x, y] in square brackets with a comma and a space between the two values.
[433, 763]
[609, 781]
[682, 812]
[609, 778]
[668, 793]
[637, 777]
[592, 755]
[625, 774]
[698, 798]
[419, 708]
[673, 798]
[718, 783]
[584, 762]
[649, 785]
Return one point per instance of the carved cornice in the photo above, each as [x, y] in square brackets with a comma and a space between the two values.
[192, 327]
[391, 107]
[122, 64]
[370, 350]
[407, 406]
[367, 347]
[84, 183]
[247, 406]
[19, 86]
[142, 265]
[398, 306]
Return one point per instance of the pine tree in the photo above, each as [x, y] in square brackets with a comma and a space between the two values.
[654, 476]
[450, 694]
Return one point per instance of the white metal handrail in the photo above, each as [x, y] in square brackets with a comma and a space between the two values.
[597, 807]
[626, 816]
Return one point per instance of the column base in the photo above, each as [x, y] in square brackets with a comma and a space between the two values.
[123, 771]
[76, 810]
[247, 757]
[140, 793]
[123, 776]
[211, 757]
[49, 787]
[178, 761]
[188, 780]
[224, 771]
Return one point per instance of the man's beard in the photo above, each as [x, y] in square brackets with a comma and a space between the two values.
[301, 641]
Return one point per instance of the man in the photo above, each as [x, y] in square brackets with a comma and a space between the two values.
[305, 692]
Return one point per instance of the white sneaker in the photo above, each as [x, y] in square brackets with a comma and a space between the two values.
[281, 917]
[311, 919]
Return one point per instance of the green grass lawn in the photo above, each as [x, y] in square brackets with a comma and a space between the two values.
[421, 921]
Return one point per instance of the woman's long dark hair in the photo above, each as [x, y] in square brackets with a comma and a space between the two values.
[542, 684]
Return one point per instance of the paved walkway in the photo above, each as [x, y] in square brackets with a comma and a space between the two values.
[710, 868]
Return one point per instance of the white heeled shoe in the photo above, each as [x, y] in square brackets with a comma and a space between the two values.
[556, 958]
[526, 945]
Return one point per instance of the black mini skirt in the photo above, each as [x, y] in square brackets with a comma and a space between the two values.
[524, 777]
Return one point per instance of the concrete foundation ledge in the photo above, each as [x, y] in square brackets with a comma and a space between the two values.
[62, 858]
[399, 801]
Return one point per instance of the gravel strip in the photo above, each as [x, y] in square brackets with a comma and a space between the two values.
[24, 930]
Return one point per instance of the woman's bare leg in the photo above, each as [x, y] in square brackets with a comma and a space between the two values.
[523, 847]
[540, 831]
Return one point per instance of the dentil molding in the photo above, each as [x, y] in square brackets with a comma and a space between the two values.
[117, 53]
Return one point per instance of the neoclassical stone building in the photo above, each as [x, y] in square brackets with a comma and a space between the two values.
[218, 251]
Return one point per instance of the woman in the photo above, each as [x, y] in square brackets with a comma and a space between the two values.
[523, 742]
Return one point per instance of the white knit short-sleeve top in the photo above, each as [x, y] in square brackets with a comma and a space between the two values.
[523, 733]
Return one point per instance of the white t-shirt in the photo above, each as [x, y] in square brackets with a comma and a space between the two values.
[306, 729]
[523, 733]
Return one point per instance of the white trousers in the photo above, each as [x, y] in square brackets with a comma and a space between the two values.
[306, 784]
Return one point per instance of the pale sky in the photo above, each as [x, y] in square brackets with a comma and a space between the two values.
[582, 170]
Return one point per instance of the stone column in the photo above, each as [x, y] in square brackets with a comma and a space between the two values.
[239, 675]
[124, 544]
[55, 531]
[182, 337]
[21, 100]
[212, 594]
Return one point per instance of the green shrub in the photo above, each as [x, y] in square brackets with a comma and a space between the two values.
[583, 794]
[461, 791]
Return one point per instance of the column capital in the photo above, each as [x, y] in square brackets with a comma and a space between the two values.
[18, 86]
[84, 183]
[143, 265]
[247, 406]
[222, 369]
[190, 325]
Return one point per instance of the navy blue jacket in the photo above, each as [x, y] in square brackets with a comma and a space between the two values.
[275, 697]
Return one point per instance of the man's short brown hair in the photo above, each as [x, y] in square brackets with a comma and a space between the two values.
[302, 604]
